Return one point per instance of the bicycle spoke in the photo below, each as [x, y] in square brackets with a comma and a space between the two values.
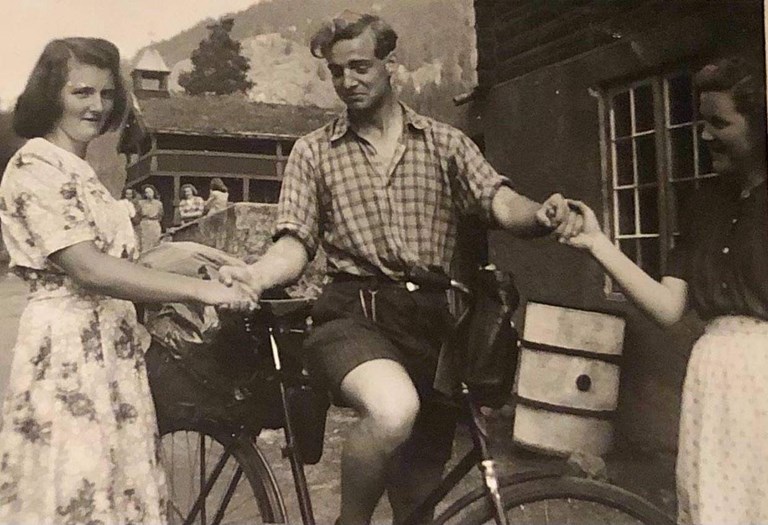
[207, 485]
[228, 496]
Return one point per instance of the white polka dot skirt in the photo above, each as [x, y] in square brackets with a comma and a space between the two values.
[722, 464]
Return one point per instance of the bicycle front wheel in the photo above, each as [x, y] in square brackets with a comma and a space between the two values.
[218, 478]
[559, 500]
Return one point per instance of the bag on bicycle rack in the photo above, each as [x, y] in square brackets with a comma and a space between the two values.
[482, 351]
[226, 376]
[208, 375]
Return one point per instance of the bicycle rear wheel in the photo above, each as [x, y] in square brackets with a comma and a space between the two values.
[558, 500]
[241, 486]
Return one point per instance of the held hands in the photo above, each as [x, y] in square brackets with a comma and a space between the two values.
[589, 232]
[228, 297]
[556, 215]
[243, 278]
[573, 222]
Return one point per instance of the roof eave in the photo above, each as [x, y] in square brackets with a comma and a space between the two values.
[221, 133]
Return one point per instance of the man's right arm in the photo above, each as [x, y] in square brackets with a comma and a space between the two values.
[282, 264]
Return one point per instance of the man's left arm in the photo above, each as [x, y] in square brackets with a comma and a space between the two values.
[490, 193]
[526, 218]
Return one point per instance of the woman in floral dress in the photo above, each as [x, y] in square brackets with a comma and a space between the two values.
[79, 441]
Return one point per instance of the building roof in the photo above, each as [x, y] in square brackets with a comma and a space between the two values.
[232, 115]
[150, 60]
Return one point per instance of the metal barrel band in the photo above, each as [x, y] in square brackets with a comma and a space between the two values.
[562, 350]
[573, 411]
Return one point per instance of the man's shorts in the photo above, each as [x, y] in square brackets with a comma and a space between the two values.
[356, 320]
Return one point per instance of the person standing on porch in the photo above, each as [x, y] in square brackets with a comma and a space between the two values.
[150, 214]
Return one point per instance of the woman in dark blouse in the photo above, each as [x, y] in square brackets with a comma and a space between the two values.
[719, 268]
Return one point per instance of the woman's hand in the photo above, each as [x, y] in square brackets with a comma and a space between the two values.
[242, 277]
[590, 229]
[229, 297]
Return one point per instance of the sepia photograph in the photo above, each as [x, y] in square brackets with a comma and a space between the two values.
[372, 262]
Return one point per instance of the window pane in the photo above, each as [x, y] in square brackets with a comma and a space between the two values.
[646, 158]
[649, 210]
[649, 257]
[679, 193]
[680, 99]
[621, 117]
[681, 149]
[629, 247]
[626, 211]
[705, 161]
[643, 108]
[624, 171]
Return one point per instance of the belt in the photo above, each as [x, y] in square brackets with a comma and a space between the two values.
[371, 282]
[368, 286]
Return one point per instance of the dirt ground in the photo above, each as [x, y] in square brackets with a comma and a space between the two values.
[650, 475]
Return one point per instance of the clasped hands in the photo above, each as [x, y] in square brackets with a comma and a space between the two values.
[571, 222]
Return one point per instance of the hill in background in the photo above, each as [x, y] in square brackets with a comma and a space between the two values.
[436, 53]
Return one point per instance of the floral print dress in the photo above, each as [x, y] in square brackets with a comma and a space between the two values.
[78, 435]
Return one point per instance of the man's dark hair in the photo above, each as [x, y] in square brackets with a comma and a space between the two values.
[743, 78]
[39, 107]
[349, 25]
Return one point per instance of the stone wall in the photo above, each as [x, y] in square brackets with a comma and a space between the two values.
[244, 230]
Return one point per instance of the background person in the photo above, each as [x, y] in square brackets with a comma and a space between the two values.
[382, 188]
[191, 205]
[79, 442]
[150, 214]
[128, 202]
[218, 197]
[719, 267]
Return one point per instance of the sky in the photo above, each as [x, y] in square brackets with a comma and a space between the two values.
[27, 25]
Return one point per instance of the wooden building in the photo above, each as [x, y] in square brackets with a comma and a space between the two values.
[171, 140]
[594, 99]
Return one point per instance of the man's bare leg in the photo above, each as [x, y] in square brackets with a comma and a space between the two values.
[387, 402]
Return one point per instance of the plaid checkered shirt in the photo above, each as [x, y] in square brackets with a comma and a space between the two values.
[374, 220]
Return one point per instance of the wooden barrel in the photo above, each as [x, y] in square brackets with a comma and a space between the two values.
[567, 381]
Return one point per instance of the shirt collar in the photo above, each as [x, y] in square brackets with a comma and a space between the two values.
[412, 119]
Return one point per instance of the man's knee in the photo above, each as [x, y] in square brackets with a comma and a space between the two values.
[391, 421]
[386, 399]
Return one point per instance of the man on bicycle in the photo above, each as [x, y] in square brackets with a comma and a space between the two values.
[382, 189]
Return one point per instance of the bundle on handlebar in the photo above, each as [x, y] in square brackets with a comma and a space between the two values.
[481, 352]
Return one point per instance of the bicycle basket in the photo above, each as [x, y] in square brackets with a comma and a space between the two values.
[486, 351]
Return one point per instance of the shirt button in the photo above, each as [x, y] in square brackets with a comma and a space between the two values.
[724, 285]
[726, 250]
[734, 220]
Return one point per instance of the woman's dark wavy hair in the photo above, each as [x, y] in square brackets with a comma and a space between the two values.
[744, 79]
[218, 184]
[39, 107]
[350, 25]
[188, 185]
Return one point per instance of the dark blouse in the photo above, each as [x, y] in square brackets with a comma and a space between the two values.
[723, 251]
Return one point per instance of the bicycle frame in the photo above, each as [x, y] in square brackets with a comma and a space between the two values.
[479, 454]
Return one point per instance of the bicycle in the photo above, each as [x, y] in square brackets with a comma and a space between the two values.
[227, 456]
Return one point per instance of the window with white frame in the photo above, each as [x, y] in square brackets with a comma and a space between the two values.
[656, 160]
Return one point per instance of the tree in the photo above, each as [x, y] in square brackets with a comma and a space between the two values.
[218, 67]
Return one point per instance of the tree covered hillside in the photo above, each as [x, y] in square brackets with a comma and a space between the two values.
[436, 49]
